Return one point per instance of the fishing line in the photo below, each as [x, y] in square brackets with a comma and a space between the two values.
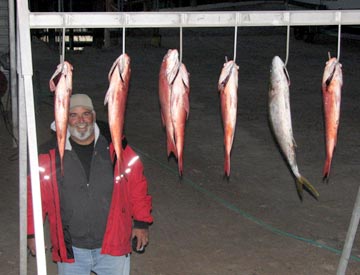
[62, 56]
[339, 42]
[181, 48]
[123, 40]
[235, 36]
[237, 210]
[287, 40]
[181, 38]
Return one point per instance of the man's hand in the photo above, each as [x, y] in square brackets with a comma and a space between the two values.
[142, 237]
[31, 246]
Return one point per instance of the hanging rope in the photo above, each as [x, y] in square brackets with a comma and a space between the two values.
[123, 40]
[339, 42]
[181, 38]
[287, 41]
[181, 48]
[62, 56]
[235, 36]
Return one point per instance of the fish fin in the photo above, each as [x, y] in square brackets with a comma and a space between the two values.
[287, 75]
[173, 72]
[185, 76]
[108, 93]
[225, 75]
[227, 166]
[68, 68]
[171, 147]
[162, 119]
[54, 80]
[121, 67]
[302, 182]
[326, 170]
[186, 103]
[180, 166]
[117, 61]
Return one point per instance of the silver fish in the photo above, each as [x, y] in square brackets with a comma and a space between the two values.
[280, 119]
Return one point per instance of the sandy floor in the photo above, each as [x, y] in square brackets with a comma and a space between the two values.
[253, 224]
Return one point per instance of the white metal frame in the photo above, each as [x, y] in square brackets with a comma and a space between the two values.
[27, 20]
[192, 19]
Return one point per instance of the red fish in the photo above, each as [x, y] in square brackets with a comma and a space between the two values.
[116, 97]
[228, 85]
[331, 89]
[174, 89]
[168, 71]
[179, 109]
[61, 83]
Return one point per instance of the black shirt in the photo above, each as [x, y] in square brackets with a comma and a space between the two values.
[84, 153]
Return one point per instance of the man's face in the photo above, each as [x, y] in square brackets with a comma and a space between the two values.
[81, 125]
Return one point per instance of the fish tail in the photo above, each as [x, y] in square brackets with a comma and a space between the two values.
[301, 182]
[180, 166]
[171, 147]
[227, 165]
[326, 170]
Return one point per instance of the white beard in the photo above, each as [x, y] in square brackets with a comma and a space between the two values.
[82, 135]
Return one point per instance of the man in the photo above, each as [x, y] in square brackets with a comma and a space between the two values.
[93, 213]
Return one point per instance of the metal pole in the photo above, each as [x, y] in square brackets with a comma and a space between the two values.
[350, 236]
[25, 56]
[22, 180]
[13, 78]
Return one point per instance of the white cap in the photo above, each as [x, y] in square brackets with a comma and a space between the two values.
[82, 100]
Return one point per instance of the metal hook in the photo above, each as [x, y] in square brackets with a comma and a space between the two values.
[287, 38]
[235, 35]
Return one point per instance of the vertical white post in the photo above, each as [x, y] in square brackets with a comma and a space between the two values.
[22, 181]
[350, 236]
[13, 79]
[26, 72]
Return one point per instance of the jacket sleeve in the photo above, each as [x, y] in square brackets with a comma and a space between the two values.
[30, 212]
[140, 200]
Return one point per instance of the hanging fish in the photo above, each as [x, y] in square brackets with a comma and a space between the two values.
[331, 89]
[179, 109]
[280, 120]
[116, 97]
[174, 89]
[61, 84]
[227, 86]
[168, 71]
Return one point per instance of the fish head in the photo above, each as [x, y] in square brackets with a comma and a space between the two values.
[67, 71]
[124, 65]
[172, 64]
[63, 69]
[333, 70]
[278, 71]
[228, 68]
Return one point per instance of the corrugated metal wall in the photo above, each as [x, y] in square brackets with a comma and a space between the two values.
[4, 26]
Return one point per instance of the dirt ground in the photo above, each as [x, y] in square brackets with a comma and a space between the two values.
[253, 224]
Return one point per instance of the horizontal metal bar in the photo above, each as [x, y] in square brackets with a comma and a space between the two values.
[193, 19]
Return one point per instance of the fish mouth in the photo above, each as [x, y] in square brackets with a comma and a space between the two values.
[123, 63]
[333, 70]
[173, 65]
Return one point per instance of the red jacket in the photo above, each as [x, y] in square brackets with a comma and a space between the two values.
[130, 200]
